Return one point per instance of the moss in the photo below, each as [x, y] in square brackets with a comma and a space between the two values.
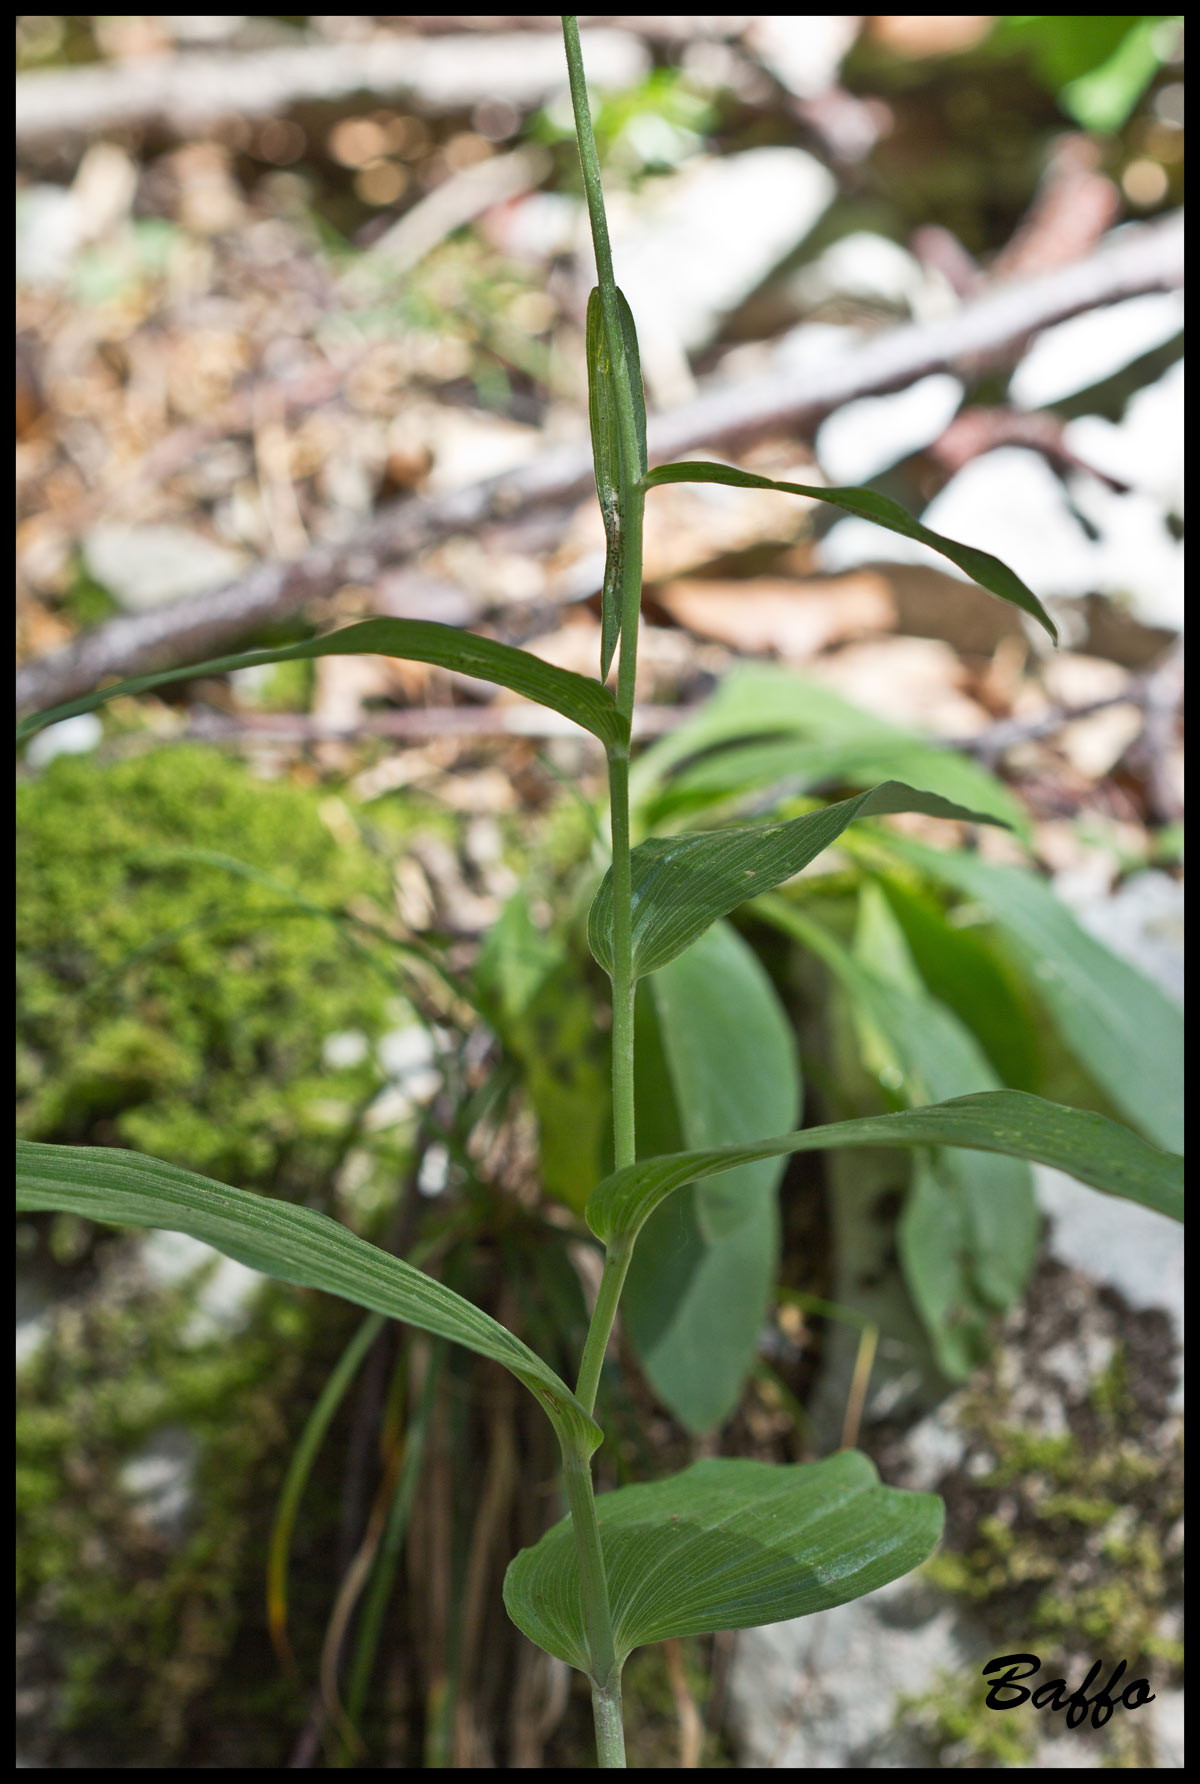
[1062, 1541]
[128, 1624]
[177, 1006]
[961, 1727]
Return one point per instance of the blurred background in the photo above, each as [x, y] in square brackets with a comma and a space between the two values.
[300, 307]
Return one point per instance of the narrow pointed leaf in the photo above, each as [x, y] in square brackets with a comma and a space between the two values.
[681, 884]
[1120, 1025]
[988, 571]
[577, 697]
[1086, 1146]
[606, 452]
[294, 1244]
[726, 1544]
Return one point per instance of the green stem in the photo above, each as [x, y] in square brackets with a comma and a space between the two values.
[623, 985]
[610, 1729]
[616, 1264]
[604, 1671]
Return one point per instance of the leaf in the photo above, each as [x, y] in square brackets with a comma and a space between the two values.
[932, 1244]
[726, 1544]
[716, 1062]
[766, 727]
[963, 969]
[577, 697]
[938, 1058]
[988, 571]
[970, 1224]
[546, 1016]
[681, 884]
[606, 452]
[1086, 1146]
[294, 1244]
[1118, 1023]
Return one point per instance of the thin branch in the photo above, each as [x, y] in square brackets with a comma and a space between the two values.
[1138, 259]
[190, 92]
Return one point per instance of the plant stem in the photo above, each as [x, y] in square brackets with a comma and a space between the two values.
[623, 986]
[610, 1727]
[616, 1263]
[605, 1673]
[597, 1617]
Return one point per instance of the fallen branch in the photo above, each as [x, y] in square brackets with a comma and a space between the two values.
[1148, 257]
[186, 93]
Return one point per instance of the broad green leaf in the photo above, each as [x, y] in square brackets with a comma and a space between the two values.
[294, 1244]
[936, 1058]
[1118, 1024]
[606, 452]
[1086, 1146]
[978, 1260]
[716, 1062]
[963, 969]
[767, 727]
[726, 1544]
[681, 884]
[934, 1251]
[980, 566]
[577, 697]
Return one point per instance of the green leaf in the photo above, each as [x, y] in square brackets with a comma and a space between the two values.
[988, 571]
[716, 1062]
[294, 1244]
[586, 702]
[537, 1001]
[1086, 1146]
[606, 452]
[681, 884]
[963, 969]
[1119, 1025]
[975, 1257]
[766, 727]
[726, 1544]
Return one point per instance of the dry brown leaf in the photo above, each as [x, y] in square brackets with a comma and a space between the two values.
[913, 681]
[796, 620]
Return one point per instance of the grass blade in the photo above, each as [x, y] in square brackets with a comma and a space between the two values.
[299, 1469]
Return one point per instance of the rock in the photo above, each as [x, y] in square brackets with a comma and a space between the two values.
[159, 1479]
[675, 270]
[1087, 349]
[144, 567]
[868, 436]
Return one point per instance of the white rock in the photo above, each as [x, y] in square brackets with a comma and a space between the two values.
[1143, 449]
[700, 241]
[823, 1691]
[70, 737]
[144, 567]
[865, 437]
[1087, 349]
[1008, 502]
[863, 265]
[160, 1479]
[342, 1050]
[803, 50]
